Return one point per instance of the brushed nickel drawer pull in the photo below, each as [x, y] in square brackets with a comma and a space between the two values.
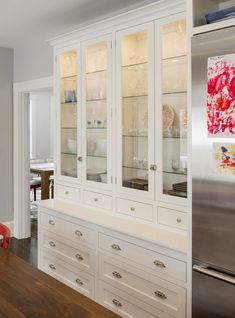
[51, 222]
[96, 199]
[160, 294]
[159, 264]
[52, 267]
[116, 247]
[78, 233]
[79, 257]
[117, 303]
[178, 220]
[79, 282]
[117, 275]
[66, 192]
[52, 244]
[132, 209]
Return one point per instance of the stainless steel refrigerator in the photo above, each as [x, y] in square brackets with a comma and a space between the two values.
[213, 194]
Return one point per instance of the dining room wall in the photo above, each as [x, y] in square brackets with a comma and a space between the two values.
[6, 134]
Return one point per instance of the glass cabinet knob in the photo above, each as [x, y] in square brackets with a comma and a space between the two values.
[80, 158]
[153, 167]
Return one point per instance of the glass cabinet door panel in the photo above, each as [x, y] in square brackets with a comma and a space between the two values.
[134, 77]
[96, 112]
[174, 109]
[68, 111]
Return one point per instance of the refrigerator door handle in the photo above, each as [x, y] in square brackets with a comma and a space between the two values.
[211, 272]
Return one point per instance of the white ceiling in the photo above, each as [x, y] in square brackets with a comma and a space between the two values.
[21, 21]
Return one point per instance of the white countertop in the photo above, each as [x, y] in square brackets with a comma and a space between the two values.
[151, 233]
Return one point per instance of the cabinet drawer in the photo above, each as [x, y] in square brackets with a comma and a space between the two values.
[76, 255]
[98, 200]
[75, 232]
[71, 276]
[159, 263]
[136, 209]
[125, 305]
[156, 292]
[172, 218]
[65, 192]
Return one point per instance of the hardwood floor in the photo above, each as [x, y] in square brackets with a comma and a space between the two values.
[26, 248]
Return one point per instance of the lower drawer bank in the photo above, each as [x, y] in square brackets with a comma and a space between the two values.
[132, 277]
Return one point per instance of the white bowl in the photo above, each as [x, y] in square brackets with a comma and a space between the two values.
[72, 145]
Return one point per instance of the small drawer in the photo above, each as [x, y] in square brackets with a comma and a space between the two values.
[159, 293]
[71, 276]
[136, 209]
[76, 255]
[68, 193]
[98, 200]
[125, 305]
[172, 218]
[159, 263]
[72, 231]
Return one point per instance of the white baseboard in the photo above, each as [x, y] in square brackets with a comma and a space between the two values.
[11, 226]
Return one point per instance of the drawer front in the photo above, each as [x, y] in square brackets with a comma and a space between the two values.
[69, 193]
[125, 305]
[152, 290]
[172, 218]
[75, 232]
[135, 209]
[71, 276]
[77, 255]
[161, 264]
[98, 200]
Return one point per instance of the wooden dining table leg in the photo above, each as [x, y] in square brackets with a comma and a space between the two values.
[45, 180]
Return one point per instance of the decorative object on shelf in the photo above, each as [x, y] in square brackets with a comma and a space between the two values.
[137, 183]
[70, 96]
[72, 145]
[168, 117]
[103, 178]
[175, 164]
[220, 15]
[95, 174]
[223, 158]
[221, 96]
[179, 189]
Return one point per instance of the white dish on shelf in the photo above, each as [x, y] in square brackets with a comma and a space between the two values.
[101, 147]
[72, 145]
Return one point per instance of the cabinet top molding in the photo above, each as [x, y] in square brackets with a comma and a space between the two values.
[147, 13]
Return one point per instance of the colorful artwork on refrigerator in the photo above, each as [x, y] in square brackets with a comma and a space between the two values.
[224, 158]
[221, 96]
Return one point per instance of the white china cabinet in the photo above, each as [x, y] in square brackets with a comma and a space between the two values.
[122, 115]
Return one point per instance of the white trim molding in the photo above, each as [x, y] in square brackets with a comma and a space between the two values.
[21, 152]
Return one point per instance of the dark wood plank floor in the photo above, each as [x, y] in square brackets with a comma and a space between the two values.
[26, 248]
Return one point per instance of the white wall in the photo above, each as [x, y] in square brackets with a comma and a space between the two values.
[41, 125]
[6, 134]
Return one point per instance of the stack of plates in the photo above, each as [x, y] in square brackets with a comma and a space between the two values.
[94, 174]
[179, 189]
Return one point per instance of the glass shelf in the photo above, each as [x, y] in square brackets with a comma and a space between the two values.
[69, 103]
[180, 172]
[96, 128]
[135, 168]
[69, 153]
[135, 136]
[174, 57]
[136, 64]
[96, 99]
[135, 96]
[74, 128]
[94, 72]
[96, 156]
[69, 76]
[171, 93]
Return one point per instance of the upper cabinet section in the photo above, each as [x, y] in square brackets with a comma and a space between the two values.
[135, 99]
[205, 16]
[174, 109]
[97, 106]
[68, 113]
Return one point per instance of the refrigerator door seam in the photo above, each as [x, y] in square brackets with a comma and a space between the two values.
[210, 272]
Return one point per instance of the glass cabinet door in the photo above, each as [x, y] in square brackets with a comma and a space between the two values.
[135, 99]
[68, 114]
[174, 109]
[96, 108]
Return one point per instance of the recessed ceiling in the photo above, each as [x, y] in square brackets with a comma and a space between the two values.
[25, 20]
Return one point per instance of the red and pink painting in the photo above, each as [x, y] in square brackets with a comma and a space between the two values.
[221, 96]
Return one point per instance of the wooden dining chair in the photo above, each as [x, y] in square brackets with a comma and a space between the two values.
[35, 183]
[6, 236]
